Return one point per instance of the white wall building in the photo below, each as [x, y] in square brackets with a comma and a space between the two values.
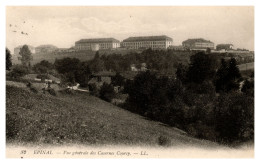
[145, 42]
[97, 44]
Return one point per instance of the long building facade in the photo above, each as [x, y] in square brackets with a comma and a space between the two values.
[197, 44]
[145, 42]
[97, 44]
[45, 48]
[224, 47]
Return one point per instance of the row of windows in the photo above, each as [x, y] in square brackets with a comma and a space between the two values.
[204, 44]
[87, 46]
[153, 47]
[147, 43]
[194, 44]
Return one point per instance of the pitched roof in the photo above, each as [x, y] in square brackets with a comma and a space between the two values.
[225, 45]
[130, 75]
[147, 38]
[47, 46]
[98, 40]
[200, 40]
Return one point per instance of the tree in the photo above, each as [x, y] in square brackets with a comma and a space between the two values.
[118, 80]
[228, 76]
[107, 92]
[68, 68]
[234, 117]
[221, 76]
[18, 71]
[66, 65]
[141, 92]
[82, 74]
[8, 62]
[202, 67]
[26, 56]
[233, 70]
[43, 67]
[96, 64]
[181, 73]
[248, 87]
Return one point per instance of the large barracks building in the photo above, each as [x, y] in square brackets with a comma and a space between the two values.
[96, 44]
[144, 42]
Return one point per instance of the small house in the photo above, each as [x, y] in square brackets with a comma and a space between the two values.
[102, 77]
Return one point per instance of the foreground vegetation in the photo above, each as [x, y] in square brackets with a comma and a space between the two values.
[209, 104]
[206, 97]
[78, 118]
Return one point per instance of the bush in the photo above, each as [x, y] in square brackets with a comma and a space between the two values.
[248, 87]
[52, 92]
[12, 125]
[235, 117]
[67, 91]
[107, 92]
[164, 141]
[42, 76]
[18, 71]
[201, 130]
[32, 88]
[43, 67]
[93, 90]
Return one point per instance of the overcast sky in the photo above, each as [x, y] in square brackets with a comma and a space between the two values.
[62, 26]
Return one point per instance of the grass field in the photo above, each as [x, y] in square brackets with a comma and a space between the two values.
[81, 55]
[37, 118]
[247, 66]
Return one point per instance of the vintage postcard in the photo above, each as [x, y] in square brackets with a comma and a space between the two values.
[130, 82]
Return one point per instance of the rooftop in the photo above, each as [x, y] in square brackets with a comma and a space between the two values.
[148, 38]
[47, 46]
[196, 40]
[225, 45]
[98, 40]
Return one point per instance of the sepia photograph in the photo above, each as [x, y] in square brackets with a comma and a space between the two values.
[129, 82]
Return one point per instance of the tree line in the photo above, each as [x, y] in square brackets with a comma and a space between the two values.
[204, 99]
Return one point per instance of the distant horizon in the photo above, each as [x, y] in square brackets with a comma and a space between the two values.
[63, 26]
[121, 41]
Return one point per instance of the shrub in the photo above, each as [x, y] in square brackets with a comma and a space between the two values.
[8, 59]
[248, 87]
[32, 88]
[42, 76]
[201, 130]
[52, 92]
[93, 90]
[164, 141]
[43, 67]
[107, 92]
[12, 125]
[18, 71]
[235, 117]
[67, 91]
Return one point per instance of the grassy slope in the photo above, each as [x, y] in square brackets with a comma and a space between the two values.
[81, 55]
[84, 119]
[247, 66]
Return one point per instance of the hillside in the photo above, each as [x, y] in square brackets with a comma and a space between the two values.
[81, 55]
[83, 119]
[247, 66]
